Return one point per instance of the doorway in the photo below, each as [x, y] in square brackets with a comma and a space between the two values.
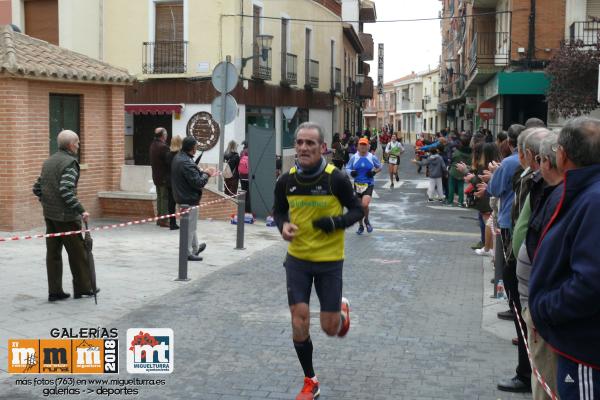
[143, 134]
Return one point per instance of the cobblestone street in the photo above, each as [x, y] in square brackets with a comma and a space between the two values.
[416, 296]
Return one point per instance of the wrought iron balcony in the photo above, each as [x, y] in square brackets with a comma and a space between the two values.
[164, 57]
[312, 74]
[586, 32]
[350, 89]
[366, 89]
[337, 80]
[489, 49]
[261, 66]
[289, 71]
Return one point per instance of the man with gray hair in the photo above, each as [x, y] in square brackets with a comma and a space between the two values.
[564, 287]
[309, 212]
[160, 173]
[56, 188]
[528, 230]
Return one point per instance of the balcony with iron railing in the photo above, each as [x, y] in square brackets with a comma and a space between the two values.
[311, 80]
[336, 80]
[289, 71]
[366, 88]
[164, 57]
[261, 67]
[489, 50]
[366, 39]
[585, 32]
[350, 92]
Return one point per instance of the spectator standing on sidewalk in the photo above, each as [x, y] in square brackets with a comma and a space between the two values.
[232, 158]
[188, 181]
[244, 171]
[537, 210]
[501, 187]
[158, 162]
[174, 149]
[456, 183]
[564, 290]
[56, 189]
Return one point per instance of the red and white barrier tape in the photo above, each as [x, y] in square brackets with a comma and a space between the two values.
[537, 373]
[121, 225]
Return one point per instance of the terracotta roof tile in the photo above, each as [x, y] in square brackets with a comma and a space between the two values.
[33, 58]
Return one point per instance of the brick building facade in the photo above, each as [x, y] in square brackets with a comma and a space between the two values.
[39, 84]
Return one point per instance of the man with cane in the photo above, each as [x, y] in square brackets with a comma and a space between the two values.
[56, 189]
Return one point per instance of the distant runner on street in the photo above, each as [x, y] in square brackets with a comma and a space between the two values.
[393, 150]
[309, 212]
[362, 167]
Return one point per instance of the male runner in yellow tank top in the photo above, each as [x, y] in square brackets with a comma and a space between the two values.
[309, 211]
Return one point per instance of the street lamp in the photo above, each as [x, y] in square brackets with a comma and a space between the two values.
[263, 43]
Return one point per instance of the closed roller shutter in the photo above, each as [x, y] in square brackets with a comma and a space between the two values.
[41, 20]
[593, 8]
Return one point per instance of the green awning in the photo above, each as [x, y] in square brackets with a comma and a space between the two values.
[522, 83]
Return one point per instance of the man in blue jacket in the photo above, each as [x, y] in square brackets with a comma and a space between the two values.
[564, 290]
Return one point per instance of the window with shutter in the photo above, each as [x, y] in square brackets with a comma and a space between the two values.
[41, 20]
[169, 47]
[593, 8]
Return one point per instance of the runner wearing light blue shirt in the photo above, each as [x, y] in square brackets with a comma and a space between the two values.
[362, 167]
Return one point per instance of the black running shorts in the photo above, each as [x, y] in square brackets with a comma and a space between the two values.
[327, 277]
[367, 192]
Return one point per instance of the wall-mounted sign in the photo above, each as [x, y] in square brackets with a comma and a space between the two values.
[380, 69]
[487, 110]
[205, 129]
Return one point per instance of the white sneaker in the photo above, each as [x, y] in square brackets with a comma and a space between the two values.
[482, 252]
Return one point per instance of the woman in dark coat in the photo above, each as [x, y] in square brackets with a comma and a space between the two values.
[232, 158]
[174, 149]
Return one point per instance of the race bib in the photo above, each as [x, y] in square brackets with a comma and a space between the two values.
[393, 159]
[361, 187]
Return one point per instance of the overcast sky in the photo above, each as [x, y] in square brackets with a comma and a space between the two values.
[408, 46]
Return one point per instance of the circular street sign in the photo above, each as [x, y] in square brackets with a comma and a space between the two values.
[205, 129]
[230, 108]
[224, 70]
[487, 110]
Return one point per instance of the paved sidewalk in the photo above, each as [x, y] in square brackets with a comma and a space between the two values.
[134, 266]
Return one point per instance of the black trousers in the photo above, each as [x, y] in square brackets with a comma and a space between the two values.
[246, 187]
[171, 206]
[78, 260]
[511, 285]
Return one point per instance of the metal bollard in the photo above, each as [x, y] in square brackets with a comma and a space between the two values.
[184, 223]
[241, 213]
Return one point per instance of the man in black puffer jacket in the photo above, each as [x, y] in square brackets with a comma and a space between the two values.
[188, 180]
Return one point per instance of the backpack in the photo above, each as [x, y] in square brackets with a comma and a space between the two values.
[243, 167]
[227, 173]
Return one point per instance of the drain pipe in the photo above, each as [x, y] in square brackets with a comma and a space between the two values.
[531, 50]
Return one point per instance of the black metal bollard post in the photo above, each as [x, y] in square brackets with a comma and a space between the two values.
[184, 223]
[239, 243]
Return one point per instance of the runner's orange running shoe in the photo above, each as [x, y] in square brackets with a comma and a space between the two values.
[346, 314]
[310, 390]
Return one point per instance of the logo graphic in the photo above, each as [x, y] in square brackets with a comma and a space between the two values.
[23, 356]
[150, 351]
[568, 379]
[63, 356]
[55, 356]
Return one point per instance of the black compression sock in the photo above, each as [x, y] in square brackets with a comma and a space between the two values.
[304, 351]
